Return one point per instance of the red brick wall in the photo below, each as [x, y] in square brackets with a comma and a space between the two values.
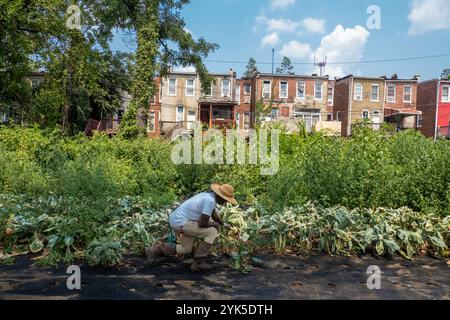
[341, 103]
[426, 102]
[399, 95]
[443, 108]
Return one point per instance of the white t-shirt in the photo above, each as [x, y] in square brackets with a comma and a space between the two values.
[193, 208]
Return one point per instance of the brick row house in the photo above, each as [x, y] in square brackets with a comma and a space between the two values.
[285, 97]
[375, 100]
[181, 102]
[434, 102]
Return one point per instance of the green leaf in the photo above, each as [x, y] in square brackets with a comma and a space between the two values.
[68, 240]
[36, 245]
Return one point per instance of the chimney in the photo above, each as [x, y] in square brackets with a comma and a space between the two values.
[416, 77]
[394, 76]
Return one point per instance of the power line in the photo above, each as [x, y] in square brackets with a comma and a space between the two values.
[342, 62]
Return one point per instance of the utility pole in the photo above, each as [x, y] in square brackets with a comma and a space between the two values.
[273, 58]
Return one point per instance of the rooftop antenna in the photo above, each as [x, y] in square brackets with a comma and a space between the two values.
[320, 64]
[273, 58]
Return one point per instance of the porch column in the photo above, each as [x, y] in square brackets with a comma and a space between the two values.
[210, 115]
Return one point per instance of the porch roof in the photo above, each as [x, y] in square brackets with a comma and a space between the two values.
[388, 112]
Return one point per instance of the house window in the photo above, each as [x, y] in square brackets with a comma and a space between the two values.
[419, 120]
[300, 90]
[391, 93]
[330, 95]
[330, 117]
[266, 89]
[283, 89]
[151, 121]
[180, 114]
[358, 92]
[365, 115]
[375, 93]
[238, 93]
[238, 122]
[318, 91]
[208, 92]
[274, 114]
[309, 117]
[190, 87]
[445, 93]
[226, 88]
[407, 94]
[247, 88]
[247, 120]
[172, 87]
[338, 116]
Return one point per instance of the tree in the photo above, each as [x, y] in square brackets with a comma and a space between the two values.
[250, 68]
[445, 75]
[286, 66]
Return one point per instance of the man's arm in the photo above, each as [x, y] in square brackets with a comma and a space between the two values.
[205, 222]
[217, 218]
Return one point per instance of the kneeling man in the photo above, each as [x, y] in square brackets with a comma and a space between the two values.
[196, 217]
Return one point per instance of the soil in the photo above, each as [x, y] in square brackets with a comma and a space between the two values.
[277, 277]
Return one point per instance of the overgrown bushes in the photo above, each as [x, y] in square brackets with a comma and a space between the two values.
[70, 193]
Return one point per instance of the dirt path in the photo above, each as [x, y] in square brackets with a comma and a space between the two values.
[279, 277]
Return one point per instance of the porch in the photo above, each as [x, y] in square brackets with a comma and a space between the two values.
[401, 118]
[218, 115]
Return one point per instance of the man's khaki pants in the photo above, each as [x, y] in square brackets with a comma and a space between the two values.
[191, 230]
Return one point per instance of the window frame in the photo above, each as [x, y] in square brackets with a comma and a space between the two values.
[355, 98]
[304, 90]
[410, 93]
[237, 93]
[330, 103]
[176, 115]
[280, 90]
[249, 86]
[321, 90]
[448, 94]
[193, 87]
[175, 87]
[362, 114]
[222, 87]
[371, 92]
[395, 92]
[270, 89]
[419, 116]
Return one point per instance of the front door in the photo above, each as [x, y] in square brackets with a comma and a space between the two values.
[376, 120]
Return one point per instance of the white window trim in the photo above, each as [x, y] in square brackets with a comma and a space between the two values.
[168, 87]
[270, 89]
[193, 88]
[330, 114]
[250, 88]
[395, 92]
[321, 91]
[448, 94]
[304, 90]
[222, 87]
[378, 92]
[237, 92]
[287, 90]
[354, 94]
[210, 94]
[330, 103]
[410, 93]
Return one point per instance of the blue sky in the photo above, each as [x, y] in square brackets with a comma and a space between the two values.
[303, 29]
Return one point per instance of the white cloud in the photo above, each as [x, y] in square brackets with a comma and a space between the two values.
[281, 4]
[285, 25]
[271, 39]
[429, 15]
[296, 50]
[342, 44]
[313, 25]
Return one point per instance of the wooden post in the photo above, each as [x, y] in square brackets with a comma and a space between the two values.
[210, 115]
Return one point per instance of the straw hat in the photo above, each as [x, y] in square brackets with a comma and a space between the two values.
[225, 191]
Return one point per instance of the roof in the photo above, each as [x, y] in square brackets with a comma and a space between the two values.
[361, 77]
[279, 75]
